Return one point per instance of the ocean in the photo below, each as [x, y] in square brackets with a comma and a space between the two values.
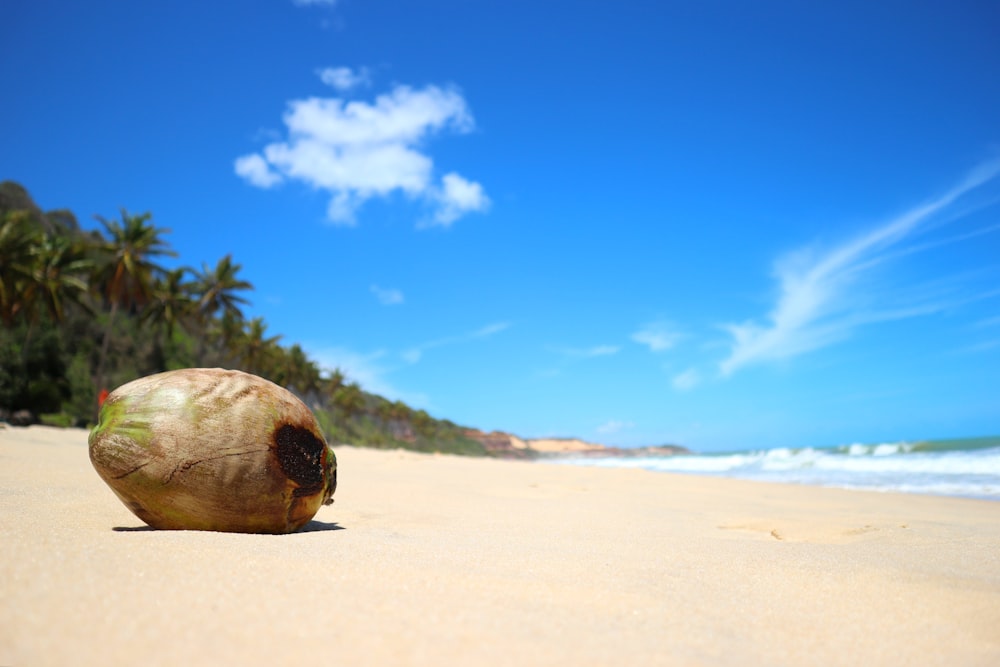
[968, 467]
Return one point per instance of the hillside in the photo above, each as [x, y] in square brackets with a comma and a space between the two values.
[86, 311]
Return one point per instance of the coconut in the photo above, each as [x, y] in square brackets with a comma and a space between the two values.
[213, 449]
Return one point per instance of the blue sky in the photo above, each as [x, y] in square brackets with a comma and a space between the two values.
[720, 224]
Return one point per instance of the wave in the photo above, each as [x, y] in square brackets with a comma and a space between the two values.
[968, 467]
[922, 446]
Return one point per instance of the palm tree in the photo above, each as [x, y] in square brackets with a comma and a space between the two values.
[350, 399]
[331, 383]
[58, 277]
[125, 277]
[256, 346]
[224, 331]
[303, 372]
[17, 243]
[385, 412]
[171, 303]
[422, 423]
[218, 289]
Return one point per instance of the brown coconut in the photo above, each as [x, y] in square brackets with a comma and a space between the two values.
[213, 449]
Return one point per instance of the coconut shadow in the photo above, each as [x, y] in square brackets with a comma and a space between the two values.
[313, 526]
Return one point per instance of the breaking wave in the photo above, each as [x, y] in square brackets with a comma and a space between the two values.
[969, 468]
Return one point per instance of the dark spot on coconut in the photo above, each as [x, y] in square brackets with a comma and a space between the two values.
[300, 455]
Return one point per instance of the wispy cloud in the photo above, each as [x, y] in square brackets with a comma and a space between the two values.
[570, 356]
[614, 426]
[988, 322]
[387, 297]
[687, 380]
[984, 346]
[825, 296]
[306, 3]
[357, 150]
[416, 353]
[657, 336]
[588, 352]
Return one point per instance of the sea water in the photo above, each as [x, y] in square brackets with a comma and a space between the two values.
[968, 467]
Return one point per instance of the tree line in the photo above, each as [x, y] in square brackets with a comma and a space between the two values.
[86, 311]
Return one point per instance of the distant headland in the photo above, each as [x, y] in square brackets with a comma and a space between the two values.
[507, 445]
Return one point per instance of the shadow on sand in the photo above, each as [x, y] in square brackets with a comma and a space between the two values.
[313, 526]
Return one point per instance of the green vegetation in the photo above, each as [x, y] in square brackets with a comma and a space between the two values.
[83, 311]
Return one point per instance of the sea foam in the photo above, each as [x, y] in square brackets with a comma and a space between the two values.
[969, 468]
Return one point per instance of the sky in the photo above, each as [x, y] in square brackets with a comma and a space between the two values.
[720, 224]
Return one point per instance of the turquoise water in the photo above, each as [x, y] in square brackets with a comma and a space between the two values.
[967, 467]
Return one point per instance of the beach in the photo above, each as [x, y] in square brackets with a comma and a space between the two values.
[444, 560]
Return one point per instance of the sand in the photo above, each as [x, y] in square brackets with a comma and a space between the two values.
[440, 560]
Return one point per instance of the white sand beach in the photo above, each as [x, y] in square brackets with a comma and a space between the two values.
[443, 560]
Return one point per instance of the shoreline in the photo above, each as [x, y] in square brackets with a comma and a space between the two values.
[960, 468]
[436, 559]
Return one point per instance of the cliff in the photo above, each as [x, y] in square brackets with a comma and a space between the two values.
[507, 445]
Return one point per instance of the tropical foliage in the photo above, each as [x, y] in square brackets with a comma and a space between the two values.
[86, 311]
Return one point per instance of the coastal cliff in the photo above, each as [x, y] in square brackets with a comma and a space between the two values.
[507, 445]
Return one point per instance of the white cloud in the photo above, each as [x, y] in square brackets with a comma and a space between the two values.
[458, 197]
[254, 168]
[344, 79]
[387, 297]
[658, 336]
[356, 150]
[416, 353]
[306, 3]
[687, 380]
[825, 296]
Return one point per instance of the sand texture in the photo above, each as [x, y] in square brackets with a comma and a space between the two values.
[439, 560]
